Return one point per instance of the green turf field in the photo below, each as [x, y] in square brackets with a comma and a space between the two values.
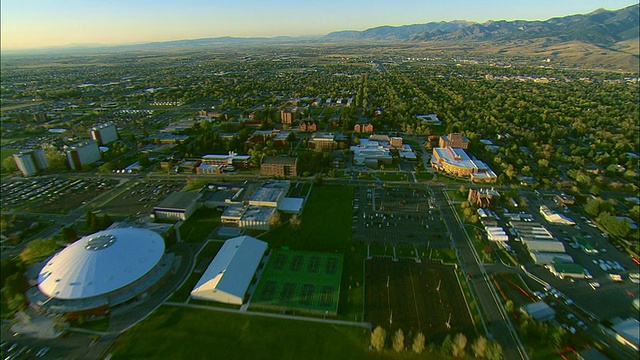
[300, 281]
[183, 333]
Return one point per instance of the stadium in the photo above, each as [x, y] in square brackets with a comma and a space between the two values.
[101, 271]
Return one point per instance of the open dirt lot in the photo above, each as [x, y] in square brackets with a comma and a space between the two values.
[416, 297]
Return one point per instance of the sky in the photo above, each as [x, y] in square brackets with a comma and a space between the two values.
[45, 23]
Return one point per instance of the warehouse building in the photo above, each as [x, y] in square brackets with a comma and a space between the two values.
[229, 275]
[546, 258]
[539, 311]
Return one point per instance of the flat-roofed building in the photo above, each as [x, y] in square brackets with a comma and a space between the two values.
[104, 133]
[230, 159]
[176, 206]
[270, 193]
[455, 161]
[539, 311]
[257, 217]
[82, 154]
[280, 166]
[30, 162]
[627, 332]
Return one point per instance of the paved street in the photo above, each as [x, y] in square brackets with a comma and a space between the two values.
[496, 319]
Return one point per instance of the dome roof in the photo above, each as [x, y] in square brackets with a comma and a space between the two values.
[101, 263]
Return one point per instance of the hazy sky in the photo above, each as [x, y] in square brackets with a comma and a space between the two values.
[41, 23]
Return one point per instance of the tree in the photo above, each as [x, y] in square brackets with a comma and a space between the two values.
[494, 351]
[378, 337]
[463, 190]
[69, 234]
[13, 291]
[317, 180]
[508, 306]
[275, 219]
[9, 164]
[56, 159]
[479, 347]
[398, 341]
[459, 344]
[447, 344]
[418, 343]
[295, 221]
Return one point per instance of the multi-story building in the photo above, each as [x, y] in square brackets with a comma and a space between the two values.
[328, 141]
[454, 140]
[81, 154]
[363, 128]
[280, 166]
[104, 133]
[288, 115]
[395, 142]
[310, 127]
[455, 161]
[30, 161]
[237, 161]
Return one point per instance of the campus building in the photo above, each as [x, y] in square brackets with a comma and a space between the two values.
[327, 141]
[229, 275]
[280, 166]
[101, 271]
[82, 154]
[30, 162]
[104, 133]
[177, 206]
[456, 162]
[230, 159]
[454, 140]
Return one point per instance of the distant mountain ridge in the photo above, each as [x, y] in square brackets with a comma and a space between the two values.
[600, 27]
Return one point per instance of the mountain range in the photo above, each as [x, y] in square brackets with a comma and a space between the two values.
[601, 27]
[601, 39]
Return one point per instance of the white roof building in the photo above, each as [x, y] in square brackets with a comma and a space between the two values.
[230, 273]
[101, 263]
[554, 217]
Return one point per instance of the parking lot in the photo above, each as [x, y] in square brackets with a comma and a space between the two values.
[609, 266]
[397, 215]
[140, 197]
[52, 195]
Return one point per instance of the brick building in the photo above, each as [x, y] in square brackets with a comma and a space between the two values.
[280, 166]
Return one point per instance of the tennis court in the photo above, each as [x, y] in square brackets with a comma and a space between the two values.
[302, 281]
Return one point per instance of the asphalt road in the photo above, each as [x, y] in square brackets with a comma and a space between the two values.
[496, 319]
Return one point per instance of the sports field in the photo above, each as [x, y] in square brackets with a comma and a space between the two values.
[306, 281]
[416, 297]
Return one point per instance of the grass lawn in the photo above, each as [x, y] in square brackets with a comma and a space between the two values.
[199, 225]
[182, 333]
[329, 205]
[391, 176]
[424, 176]
[209, 251]
[326, 205]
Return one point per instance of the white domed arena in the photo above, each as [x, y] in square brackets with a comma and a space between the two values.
[100, 271]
